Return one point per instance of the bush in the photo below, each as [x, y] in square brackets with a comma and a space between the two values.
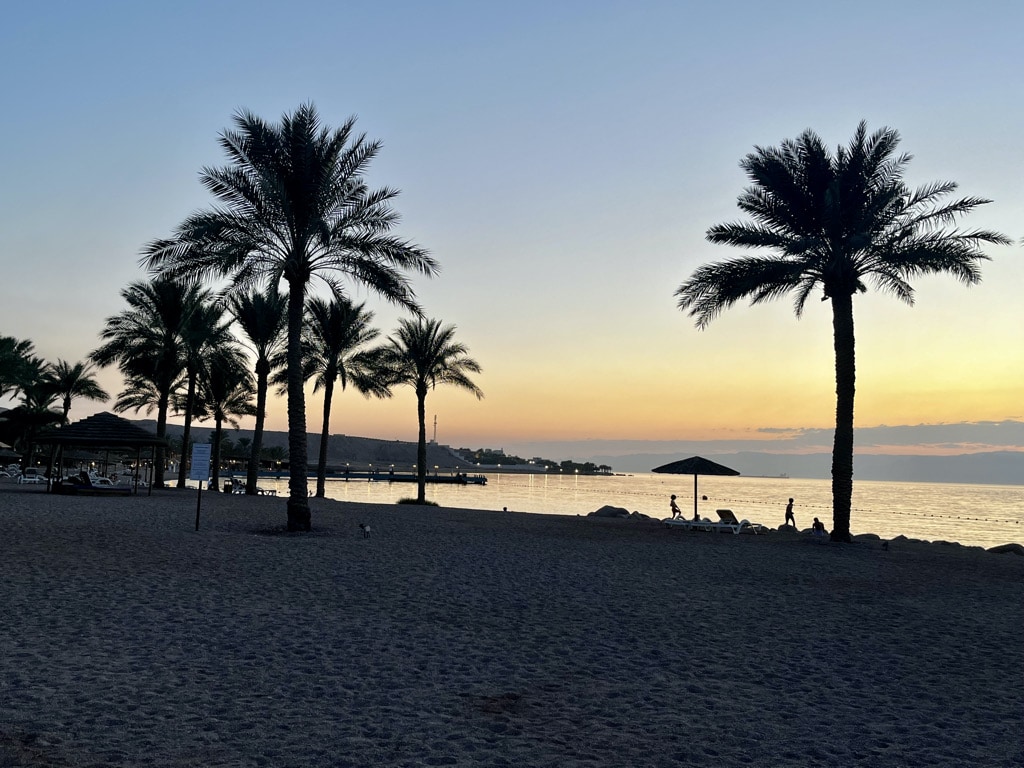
[414, 501]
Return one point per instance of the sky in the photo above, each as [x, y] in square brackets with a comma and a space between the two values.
[562, 161]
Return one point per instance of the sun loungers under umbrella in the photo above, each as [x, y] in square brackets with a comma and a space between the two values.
[726, 522]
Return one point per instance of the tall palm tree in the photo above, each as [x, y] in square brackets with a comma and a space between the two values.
[145, 343]
[76, 380]
[334, 349]
[204, 330]
[422, 353]
[225, 394]
[262, 317]
[294, 206]
[834, 222]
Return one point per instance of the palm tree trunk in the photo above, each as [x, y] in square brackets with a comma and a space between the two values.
[160, 454]
[842, 449]
[298, 503]
[262, 377]
[215, 458]
[321, 464]
[421, 445]
[186, 434]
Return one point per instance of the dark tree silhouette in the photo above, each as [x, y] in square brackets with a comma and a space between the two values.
[334, 349]
[72, 381]
[294, 206]
[262, 317]
[145, 342]
[834, 222]
[422, 353]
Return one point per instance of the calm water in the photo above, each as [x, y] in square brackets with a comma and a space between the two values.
[979, 515]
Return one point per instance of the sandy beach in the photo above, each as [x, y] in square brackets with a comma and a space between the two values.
[476, 638]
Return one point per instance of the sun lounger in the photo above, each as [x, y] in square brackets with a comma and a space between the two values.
[728, 521]
[689, 525]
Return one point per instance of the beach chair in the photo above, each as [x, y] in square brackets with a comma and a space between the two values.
[689, 525]
[677, 522]
[728, 521]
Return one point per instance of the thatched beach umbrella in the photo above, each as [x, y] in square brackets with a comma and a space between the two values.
[695, 465]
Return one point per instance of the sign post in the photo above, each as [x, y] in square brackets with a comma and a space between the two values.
[200, 470]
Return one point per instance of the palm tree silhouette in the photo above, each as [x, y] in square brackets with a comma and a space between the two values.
[225, 393]
[203, 331]
[145, 343]
[71, 381]
[261, 316]
[834, 222]
[37, 392]
[422, 353]
[334, 343]
[294, 206]
[14, 369]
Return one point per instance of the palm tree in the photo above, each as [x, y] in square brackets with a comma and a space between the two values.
[14, 372]
[73, 381]
[833, 223]
[145, 342]
[204, 330]
[334, 349]
[225, 394]
[294, 206]
[423, 353]
[262, 316]
[38, 393]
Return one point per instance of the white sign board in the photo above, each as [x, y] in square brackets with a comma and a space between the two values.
[200, 469]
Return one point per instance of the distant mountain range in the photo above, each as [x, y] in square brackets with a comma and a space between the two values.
[995, 468]
[341, 449]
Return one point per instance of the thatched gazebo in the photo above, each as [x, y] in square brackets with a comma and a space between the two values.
[102, 431]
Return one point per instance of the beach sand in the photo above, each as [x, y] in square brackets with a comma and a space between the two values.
[474, 638]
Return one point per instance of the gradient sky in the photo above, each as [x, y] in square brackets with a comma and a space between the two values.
[562, 161]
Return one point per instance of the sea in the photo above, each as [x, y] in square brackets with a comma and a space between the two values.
[973, 515]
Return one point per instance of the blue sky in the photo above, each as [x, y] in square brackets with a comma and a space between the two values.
[562, 161]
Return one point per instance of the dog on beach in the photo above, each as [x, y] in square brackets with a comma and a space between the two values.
[365, 528]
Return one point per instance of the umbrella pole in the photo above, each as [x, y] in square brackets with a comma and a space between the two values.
[694, 495]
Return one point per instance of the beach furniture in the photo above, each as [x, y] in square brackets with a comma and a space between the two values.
[689, 525]
[728, 521]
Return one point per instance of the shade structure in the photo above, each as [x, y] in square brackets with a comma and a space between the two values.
[103, 430]
[695, 465]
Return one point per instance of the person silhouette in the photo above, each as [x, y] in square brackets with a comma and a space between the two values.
[789, 514]
[674, 507]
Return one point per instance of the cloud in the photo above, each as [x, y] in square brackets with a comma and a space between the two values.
[919, 439]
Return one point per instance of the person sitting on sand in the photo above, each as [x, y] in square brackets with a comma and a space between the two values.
[674, 507]
[817, 528]
[789, 514]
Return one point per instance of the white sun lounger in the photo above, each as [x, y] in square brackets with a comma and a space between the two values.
[728, 521]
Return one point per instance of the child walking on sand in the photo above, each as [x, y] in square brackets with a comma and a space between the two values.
[789, 514]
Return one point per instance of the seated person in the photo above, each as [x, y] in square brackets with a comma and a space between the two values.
[817, 528]
[81, 479]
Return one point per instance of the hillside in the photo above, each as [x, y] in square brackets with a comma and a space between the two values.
[358, 452]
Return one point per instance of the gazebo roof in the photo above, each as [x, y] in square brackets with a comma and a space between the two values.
[104, 430]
